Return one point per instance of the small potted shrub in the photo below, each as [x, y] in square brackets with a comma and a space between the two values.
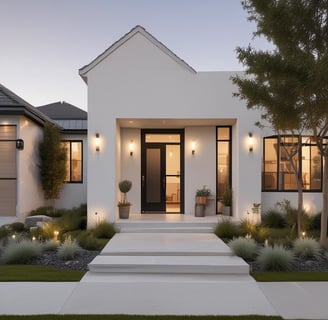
[201, 201]
[124, 205]
[227, 201]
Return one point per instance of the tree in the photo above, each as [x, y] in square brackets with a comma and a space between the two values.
[290, 83]
[52, 164]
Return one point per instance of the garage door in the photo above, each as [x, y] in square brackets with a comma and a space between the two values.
[8, 177]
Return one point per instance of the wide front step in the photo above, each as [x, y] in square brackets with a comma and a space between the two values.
[169, 265]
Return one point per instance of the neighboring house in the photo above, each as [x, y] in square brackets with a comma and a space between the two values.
[20, 133]
[154, 120]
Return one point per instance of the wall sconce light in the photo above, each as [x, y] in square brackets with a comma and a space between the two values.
[97, 142]
[131, 148]
[250, 142]
[20, 144]
[193, 147]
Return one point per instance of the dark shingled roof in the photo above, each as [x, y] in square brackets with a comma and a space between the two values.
[64, 111]
[11, 104]
[70, 118]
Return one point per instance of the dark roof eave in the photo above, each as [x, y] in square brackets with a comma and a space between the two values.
[70, 131]
[22, 111]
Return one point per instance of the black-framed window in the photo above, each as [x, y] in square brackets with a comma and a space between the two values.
[278, 173]
[74, 161]
[223, 159]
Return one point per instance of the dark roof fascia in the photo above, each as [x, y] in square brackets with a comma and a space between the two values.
[137, 29]
[68, 131]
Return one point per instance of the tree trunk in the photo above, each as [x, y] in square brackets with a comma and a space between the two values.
[299, 205]
[324, 214]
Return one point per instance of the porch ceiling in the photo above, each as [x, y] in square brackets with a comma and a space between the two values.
[172, 123]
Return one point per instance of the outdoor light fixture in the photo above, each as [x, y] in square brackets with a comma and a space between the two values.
[250, 142]
[97, 142]
[131, 148]
[20, 144]
[193, 147]
[56, 233]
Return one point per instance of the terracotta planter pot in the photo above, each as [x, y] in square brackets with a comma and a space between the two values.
[201, 200]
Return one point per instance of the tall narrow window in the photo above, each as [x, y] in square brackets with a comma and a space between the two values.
[74, 163]
[223, 160]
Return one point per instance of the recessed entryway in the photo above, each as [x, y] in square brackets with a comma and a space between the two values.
[162, 171]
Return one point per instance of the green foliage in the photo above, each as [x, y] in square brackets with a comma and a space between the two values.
[4, 232]
[68, 250]
[52, 154]
[20, 251]
[307, 248]
[226, 230]
[247, 227]
[261, 234]
[50, 245]
[273, 219]
[88, 242]
[203, 192]
[46, 211]
[104, 230]
[227, 197]
[244, 248]
[275, 259]
[17, 227]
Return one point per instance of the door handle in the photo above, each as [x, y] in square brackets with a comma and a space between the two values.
[143, 181]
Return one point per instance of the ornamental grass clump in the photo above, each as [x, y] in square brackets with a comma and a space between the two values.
[68, 250]
[275, 259]
[226, 230]
[244, 248]
[20, 251]
[306, 248]
[50, 245]
[104, 230]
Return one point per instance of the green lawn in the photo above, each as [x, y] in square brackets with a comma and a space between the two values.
[37, 273]
[290, 276]
[128, 317]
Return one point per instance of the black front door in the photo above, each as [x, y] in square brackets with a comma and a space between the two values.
[162, 171]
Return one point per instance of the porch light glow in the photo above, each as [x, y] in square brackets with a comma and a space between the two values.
[250, 142]
[97, 142]
[131, 148]
[193, 147]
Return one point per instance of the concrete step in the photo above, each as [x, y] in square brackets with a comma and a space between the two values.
[169, 265]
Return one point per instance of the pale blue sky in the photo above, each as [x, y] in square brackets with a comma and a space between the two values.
[45, 42]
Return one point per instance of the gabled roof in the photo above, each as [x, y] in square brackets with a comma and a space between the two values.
[71, 118]
[63, 110]
[138, 29]
[11, 104]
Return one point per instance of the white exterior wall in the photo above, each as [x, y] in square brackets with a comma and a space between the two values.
[75, 194]
[140, 81]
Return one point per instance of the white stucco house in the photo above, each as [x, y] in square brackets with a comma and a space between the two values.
[168, 128]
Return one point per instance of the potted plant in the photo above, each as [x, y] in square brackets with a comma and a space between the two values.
[227, 201]
[202, 194]
[124, 205]
[201, 201]
[256, 207]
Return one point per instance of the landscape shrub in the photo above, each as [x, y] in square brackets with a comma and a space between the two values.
[261, 234]
[88, 242]
[273, 219]
[73, 219]
[20, 251]
[307, 248]
[244, 248]
[226, 230]
[68, 250]
[4, 232]
[275, 259]
[46, 211]
[247, 227]
[50, 245]
[17, 227]
[104, 230]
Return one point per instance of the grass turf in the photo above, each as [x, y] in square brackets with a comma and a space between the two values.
[37, 273]
[290, 276]
[131, 317]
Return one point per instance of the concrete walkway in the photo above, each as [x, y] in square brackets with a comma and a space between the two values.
[166, 273]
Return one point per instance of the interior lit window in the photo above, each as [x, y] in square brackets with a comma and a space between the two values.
[280, 175]
[73, 161]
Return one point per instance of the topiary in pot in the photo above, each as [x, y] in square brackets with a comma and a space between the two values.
[124, 205]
